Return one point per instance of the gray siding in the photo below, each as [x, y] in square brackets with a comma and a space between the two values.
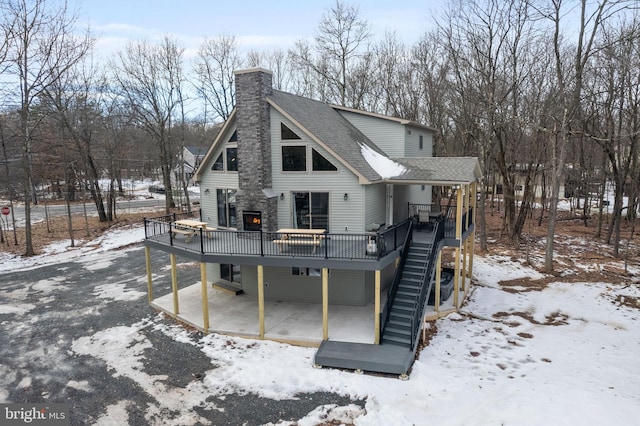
[405, 194]
[386, 134]
[395, 139]
[342, 214]
[213, 180]
[375, 204]
[345, 287]
[412, 142]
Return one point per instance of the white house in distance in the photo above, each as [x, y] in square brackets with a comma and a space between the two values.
[307, 202]
[188, 161]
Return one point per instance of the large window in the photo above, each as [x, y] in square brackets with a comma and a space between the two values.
[232, 159]
[294, 158]
[218, 165]
[320, 163]
[286, 133]
[311, 210]
[226, 199]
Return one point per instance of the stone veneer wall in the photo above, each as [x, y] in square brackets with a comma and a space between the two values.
[254, 146]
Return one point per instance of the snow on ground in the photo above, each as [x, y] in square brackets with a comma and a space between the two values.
[62, 250]
[564, 354]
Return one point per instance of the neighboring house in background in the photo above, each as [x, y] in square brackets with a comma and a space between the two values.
[317, 203]
[190, 158]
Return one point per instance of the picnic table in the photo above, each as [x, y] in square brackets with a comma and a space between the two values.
[303, 237]
[189, 228]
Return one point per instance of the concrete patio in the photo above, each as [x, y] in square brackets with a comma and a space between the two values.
[299, 323]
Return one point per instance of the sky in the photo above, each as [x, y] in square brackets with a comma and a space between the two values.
[564, 354]
[257, 25]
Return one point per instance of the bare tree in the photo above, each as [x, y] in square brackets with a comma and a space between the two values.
[41, 48]
[276, 61]
[489, 45]
[614, 101]
[76, 105]
[340, 49]
[217, 60]
[569, 83]
[149, 77]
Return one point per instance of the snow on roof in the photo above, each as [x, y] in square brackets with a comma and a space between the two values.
[384, 166]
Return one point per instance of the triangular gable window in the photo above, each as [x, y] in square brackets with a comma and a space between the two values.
[286, 133]
[321, 164]
[234, 137]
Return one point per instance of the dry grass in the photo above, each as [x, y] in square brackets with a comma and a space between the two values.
[57, 229]
[579, 255]
[575, 244]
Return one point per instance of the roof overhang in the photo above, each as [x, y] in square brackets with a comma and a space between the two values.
[384, 117]
[437, 171]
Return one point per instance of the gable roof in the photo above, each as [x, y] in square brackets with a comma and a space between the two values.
[197, 150]
[324, 124]
[330, 130]
[226, 125]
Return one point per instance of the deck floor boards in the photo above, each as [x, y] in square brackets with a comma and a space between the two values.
[390, 359]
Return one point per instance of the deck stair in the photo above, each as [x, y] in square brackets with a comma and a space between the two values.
[401, 319]
[398, 328]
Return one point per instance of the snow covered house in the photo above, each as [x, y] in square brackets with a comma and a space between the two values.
[304, 202]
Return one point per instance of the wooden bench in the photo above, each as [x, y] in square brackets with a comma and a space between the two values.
[188, 233]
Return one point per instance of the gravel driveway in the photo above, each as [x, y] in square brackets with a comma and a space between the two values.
[45, 312]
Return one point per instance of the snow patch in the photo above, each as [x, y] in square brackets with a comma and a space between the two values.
[383, 165]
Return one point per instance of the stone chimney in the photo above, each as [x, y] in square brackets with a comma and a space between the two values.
[253, 86]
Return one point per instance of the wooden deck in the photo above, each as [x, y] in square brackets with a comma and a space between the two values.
[333, 250]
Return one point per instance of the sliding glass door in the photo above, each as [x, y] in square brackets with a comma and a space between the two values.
[226, 199]
[311, 210]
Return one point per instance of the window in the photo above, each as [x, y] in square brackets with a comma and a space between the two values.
[234, 137]
[320, 163]
[310, 272]
[230, 272]
[232, 159]
[287, 134]
[218, 165]
[226, 203]
[420, 143]
[311, 210]
[294, 158]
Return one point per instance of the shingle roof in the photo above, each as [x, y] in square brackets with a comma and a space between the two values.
[197, 150]
[342, 138]
[442, 170]
[330, 128]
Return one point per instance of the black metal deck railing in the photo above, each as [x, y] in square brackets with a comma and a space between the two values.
[448, 217]
[370, 246]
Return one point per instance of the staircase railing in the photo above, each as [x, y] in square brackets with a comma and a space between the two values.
[425, 285]
[393, 288]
